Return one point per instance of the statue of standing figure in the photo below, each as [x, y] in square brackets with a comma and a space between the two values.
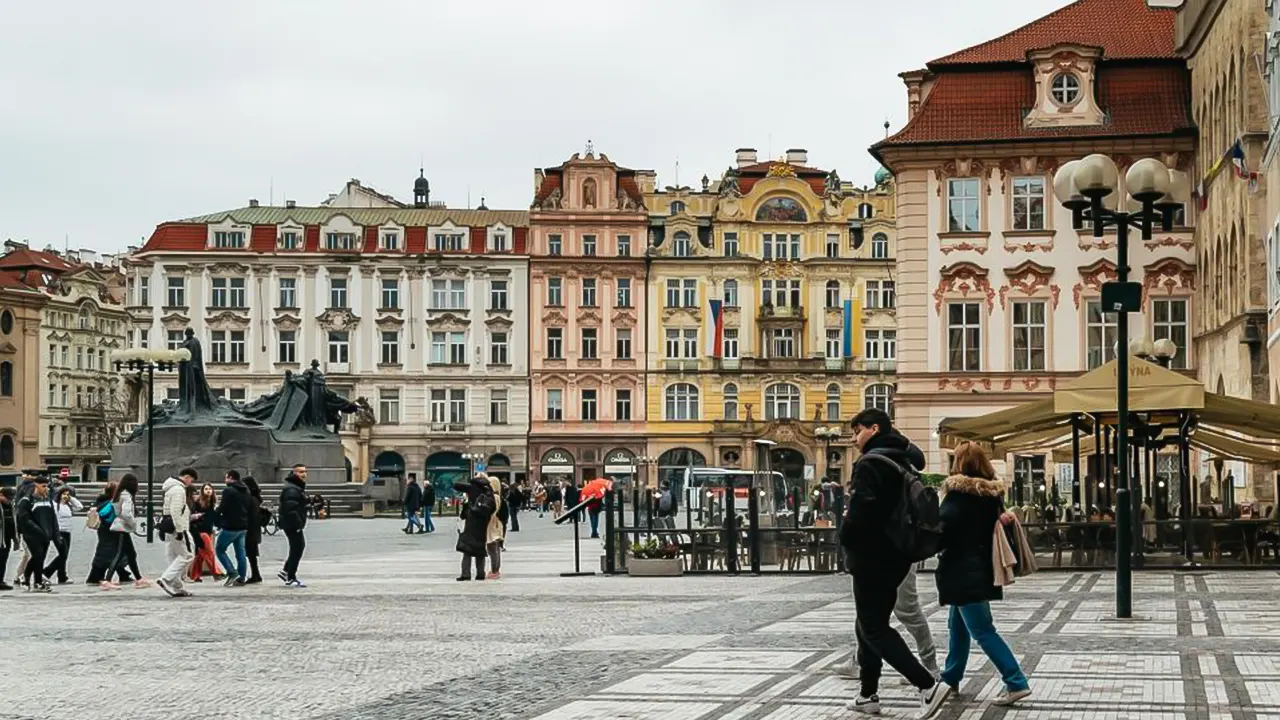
[194, 395]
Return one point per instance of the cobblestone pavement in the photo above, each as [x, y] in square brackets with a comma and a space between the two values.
[385, 632]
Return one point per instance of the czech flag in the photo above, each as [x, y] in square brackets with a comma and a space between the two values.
[1237, 160]
[717, 327]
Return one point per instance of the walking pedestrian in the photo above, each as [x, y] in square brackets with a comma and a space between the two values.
[555, 498]
[123, 526]
[479, 509]
[25, 488]
[412, 504]
[293, 520]
[540, 498]
[176, 519]
[8, 532]
[203, 510]
[497, 530]
[515, 502]
[428, 505]
[233, 517]
[38, 525]
[102, 515]
[668, 506]
[64, 508]
[253, 534]
[972, 511]
[878, 567]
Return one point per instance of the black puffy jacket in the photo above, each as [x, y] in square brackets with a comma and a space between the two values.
[875, 492]
[969, 512]
[235, 510]
[293, 504]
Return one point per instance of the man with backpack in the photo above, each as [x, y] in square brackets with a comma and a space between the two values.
[37, 523]
[666, 506]
[890, 523]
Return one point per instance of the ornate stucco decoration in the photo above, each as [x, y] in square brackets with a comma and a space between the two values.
[674, 313]
[1171, 274]
[338, 319]
[781, 269]
[589, 315]
[1029, 165]
[285, 321]
[1091, 277]
[498, 323]
[227, 320]
[964, 384]
[781, 170]
[967, 167]
[624, 318]
[449, 271]
[449, 321]
[966, 279]
[554, 316]
[389, 322]
[1029, 278]
[227, 269]
[175, 321]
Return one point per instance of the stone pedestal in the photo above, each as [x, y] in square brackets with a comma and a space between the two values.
[212, 450]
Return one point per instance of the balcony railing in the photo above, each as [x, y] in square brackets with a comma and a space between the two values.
[781, 312]
[448, 427]
[880, 366]
[785, 364]
[682, 365]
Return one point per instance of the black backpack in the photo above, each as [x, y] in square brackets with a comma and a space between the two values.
[914, 527]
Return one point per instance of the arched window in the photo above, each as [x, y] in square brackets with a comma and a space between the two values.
[731, 293]
[781, 402]
[879, 246]
[879, 396]
[677, 207]
[730, 402]
[682, 402]
[6, 322]
[6, 379]
[85, 319]
[865, 211]
[833, 403]
[6, 450]
[833, 293]
[683, 246]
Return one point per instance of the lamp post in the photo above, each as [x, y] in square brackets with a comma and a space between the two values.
[1090, 189]
[472, 458]
[145, 361]
[828, 434]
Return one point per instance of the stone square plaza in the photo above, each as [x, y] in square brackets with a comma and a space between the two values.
[384, 631]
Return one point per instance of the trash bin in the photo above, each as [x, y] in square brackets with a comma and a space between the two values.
[368, 509]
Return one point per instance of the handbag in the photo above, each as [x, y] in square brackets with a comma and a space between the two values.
[166, 526]
[93, 520]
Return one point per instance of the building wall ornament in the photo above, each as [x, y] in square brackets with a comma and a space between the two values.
[448, 321]
[589, 315]
[175, 321]
[286, 321]
[781, 269]
[389, 322]
[963, 278]
[499, 323]
[1171, 274]
[228, 320]
[337, 319]
[227, 269]
[961, 168]
[1091, 277]
[623, 318]
[554, 316]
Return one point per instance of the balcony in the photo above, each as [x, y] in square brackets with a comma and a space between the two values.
[87, 413]
[784, 313]
[450, 428]
[878, 366]
[792, 364]
[685, 365]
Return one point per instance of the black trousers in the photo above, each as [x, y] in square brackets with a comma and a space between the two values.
[875, 592]
[297, 545]
[466, 566]
[4, 562]
[515, 519]
[59, 565]
[39, 549]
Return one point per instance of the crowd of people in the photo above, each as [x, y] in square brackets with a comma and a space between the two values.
[197, 524]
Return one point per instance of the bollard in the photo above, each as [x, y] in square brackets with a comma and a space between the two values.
[648, 511]
[610, 541]
[731, 529]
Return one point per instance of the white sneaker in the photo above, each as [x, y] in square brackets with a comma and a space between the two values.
[865, 705]
[1009, 697]
[931, 700]
[848, 670]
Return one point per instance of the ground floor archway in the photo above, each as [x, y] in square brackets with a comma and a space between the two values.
[443, 470]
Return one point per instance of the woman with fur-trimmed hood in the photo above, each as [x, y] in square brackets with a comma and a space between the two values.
[972, 507]
[497, 533]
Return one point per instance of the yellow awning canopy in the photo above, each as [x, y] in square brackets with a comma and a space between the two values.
[1151, 387]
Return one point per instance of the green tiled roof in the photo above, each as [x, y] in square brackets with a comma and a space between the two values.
[367, 216]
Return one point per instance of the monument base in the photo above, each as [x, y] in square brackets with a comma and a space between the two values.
[212, 450]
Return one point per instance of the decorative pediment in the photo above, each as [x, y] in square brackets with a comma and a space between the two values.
[961, 167]
[781, 269]
[499, 323]
[228, 320]
[60, 335]
[448, 321]
[787, 432]
[175, 321]
[588, 315]
[389, 322]
[624, 318]
[338, 319]
[227, 269]
[1092, 276]
[448, 271]
[1170, 274]
[674, 313]
[285, 321]
[1029, 278]
[554, 316]
[7, 348]
[1032, 165]
[966, 280]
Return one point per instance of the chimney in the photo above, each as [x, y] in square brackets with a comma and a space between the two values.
[746, 156]
[291, 204]
[797, 156]
[253, 202]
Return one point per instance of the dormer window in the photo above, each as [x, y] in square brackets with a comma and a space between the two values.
[500, 242]
[390, 240]
[290, 240]
[449, 242]
[1065, 89]
[228, 240]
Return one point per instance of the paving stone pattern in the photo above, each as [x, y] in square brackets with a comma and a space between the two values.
[385, 632]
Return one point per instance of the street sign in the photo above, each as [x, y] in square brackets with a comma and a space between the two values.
[809, 472]
[480, 466]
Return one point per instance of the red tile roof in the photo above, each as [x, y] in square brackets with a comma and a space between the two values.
[985, 105]
[1124, 29]
[26, 258]
[12, 280]
[178, 236]
[550, 182]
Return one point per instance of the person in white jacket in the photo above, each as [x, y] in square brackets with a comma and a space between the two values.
[64, 507]
[177, 550]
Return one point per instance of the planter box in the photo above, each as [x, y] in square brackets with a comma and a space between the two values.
[637, 567]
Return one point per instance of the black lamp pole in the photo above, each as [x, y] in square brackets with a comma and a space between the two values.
[149, 367]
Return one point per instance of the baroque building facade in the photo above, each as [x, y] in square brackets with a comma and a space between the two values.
[761, 284]
[417, 310]
[587, 294]
[998, 294]
[21, 305]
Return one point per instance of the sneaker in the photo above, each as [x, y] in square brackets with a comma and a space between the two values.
[464, 578]
[494, 576]
[142, 583]
[238, 583]
[931, 700]
[231, 580]
[284, 578]
[108, 585]
[42, 588]
[164, 585]
[66, 581]
[253, 581]
[5, 587]
[296, 584]
[1009, 697]
[865, 705]
[184, 593]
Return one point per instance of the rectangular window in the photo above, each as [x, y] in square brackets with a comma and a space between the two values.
[622, 344]
[889, 344]
[729, 345]
[555, 297]
[555, 245]
[498, 295]
[337, 292]
[962, 205]
[1100, 335]
[218, 347]
[390, 347]
[833, 245]
[390, 294]
[339, 346]
[589, 245]
[391, 241]
[286, 348]
[228, 240]
[589, 403]
[879, 246]
[1028, 203]
[784, 343]
[624, 246]
[673, 345]
[622, 404]
[237, 347]
[65, 395]
[881, 294]
[144, 291]
[1029, 333]
[218, 293]
[782, 293]
[450, 242]
[767, 246]
[682, 245]
[53, 396]
[498, 347]
[964, 337]
[389, 406]
[339, 241]
[588, 292]
[66, 353]
[1169, 320]
[730, 293]
[289, 240]
[288, 292]
[624, 292]
[690, 344]
[79, 358]
[834, 349]
[177, 296]
[555, 343]
[498, 407]
[448, 294]
[457, 348]
[439, 406]
[457, 406]
[731, 244]
[555, 404]
[500, 242]
[173, 339]
[673, 292]
[589, 351]
[690, 293]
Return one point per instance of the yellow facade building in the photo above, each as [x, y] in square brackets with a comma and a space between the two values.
[771, 296]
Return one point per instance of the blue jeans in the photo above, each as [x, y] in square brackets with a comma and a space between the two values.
[228, 537]
[413, 521]
[974, 620]
[426, 518]
[595, 523]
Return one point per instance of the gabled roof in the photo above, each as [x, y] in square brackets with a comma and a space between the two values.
[553, 177]
[26, 258]
[1124, 29]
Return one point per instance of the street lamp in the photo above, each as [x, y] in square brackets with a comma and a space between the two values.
[1090, 189]
[472, 458]
[827, 434]
[147, 361]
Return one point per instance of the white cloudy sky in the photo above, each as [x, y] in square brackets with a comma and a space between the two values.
[117, 116]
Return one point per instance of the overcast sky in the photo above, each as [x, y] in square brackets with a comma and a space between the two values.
[116, 117]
